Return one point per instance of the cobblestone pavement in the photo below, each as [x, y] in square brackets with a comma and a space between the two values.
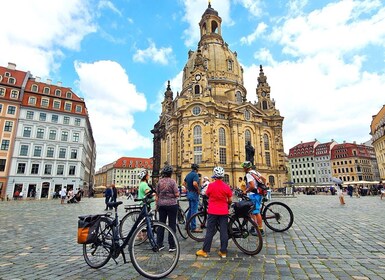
[327, 241]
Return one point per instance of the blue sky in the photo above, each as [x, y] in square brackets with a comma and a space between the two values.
[324, 60]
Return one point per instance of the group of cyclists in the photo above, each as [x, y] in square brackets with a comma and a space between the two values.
[219, 196]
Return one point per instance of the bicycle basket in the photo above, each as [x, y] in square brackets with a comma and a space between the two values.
[243, 208]
[88, 227]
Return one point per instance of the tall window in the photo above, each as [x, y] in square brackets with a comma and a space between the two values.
[238, 97]
[198, 154]
[66, 120]
[42, 117]
[62, 152]
[271, 180]
[77, 121]
[267, 158]
[74, 154]
[35, 168]
[52, 134]
[60, 169]
[44, 102]
[21, 168]
[56, 104]
[197, 89]
[72, 170]
[24, 150]
[75, 137]
[197, 142]
[29, 115]
[37, 151]
[40, 133]
[266, 142]
[11, 110]
[8, 126]
[2, 164]
[197, 134]
[54, 118]
[50, 152]
[48, 169]
[4, 145]
[64, 136]
[222, 142]
[247, 136]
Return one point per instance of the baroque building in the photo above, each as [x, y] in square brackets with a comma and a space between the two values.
[377, 130]
[210, 121]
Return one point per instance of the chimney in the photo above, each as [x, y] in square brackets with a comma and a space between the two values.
[59, 84]
[11, 66]
[49, 81]
[37, 79]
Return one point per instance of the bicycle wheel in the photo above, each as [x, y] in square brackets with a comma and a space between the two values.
[99, 253]
[278, 216]
[127, 222]
[246, 235]
[201, 226]
[146, 258]
[181, 223]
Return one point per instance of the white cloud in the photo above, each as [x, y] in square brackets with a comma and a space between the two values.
[248, 40]
[254, 6]
[152, 53]
[111, 106]
[37, 31]
[193, 14]
[109, 5]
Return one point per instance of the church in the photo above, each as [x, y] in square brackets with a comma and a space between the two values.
[211, 122]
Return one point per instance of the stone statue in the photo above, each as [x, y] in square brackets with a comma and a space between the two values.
[250, 151]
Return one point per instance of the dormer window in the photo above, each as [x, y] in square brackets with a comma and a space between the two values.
[69, 94]
[2, 91]
[7, 74]
[46, 90]
[32, 101]
[11, 80]
[58, 92]
[14, 94]
[34, 88]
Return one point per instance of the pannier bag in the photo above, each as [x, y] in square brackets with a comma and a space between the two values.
[88, 227]
[261, 188]
[242, 208]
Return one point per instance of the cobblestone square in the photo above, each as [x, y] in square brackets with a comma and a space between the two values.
[326, 241]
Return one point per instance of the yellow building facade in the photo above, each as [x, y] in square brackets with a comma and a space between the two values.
[377, 130]
[210, 121]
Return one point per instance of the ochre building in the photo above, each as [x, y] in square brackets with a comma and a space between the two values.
[210, 121]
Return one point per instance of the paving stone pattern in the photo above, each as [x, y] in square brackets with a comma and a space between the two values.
[327, 241]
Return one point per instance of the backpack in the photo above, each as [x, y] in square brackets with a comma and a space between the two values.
[88, 229]
[260, 188]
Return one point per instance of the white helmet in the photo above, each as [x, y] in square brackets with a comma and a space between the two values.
[142, 174]
[219, 172]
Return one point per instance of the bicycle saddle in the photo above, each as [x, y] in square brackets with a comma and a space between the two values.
[114, 204]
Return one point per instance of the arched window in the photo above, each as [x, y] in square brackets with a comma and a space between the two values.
[238, 97]
[214, 26]
[34, 88]
[247, 136]
[222, 137]
[271, 181]
[197, 89]
[168, 149]
[197, 134]
[264, 105]
[229, 65]
[266, 142]
[226, 179]
[204, 29]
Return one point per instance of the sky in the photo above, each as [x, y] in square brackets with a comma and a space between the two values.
[324, 60]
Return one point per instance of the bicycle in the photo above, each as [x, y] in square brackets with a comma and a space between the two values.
[133, 213]
[146, 255]
[241, 229]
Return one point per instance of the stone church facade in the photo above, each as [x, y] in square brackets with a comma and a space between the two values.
[210, 121]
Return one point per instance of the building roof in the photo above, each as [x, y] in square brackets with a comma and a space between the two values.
[133, 162]
[18, 75]
[303, 149]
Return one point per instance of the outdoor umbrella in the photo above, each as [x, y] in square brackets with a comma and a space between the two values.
[336, 180]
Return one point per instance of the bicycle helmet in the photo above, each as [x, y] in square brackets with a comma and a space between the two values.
[167, 170]
[219, 172]
[247, 164]
[142, 174]
[194, 166]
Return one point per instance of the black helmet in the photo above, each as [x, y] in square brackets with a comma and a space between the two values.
[167, 169]
[194, 166]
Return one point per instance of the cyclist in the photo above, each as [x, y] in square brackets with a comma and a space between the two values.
[166, 201]
[191, 182]
[253, 178]
[220, 197]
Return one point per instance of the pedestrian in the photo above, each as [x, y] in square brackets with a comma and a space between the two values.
[114, 195]
[220, 197]
[143, 186]
[241, 184]
[167, 194]
[340, 193]
[63, 194]
[206, 182]
[16, 195]
[268, 196]
[382, 189]
[70, 194]
[350, 190]
[107, 196]
[253, 180]
[191, 182]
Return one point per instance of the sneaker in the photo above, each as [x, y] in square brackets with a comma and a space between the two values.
[172, 249]
[222, 255]
[197, 230]
[253, 232]
[262, 232]
[201, 253]
[161, 247]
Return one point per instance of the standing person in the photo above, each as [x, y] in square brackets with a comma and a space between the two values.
[191, 182]
[253, 178]
[166, 202]
[143, 186]
[242, 184]
[114, 193]
[382, 189]
[206, 182]
[220, 197]
[340, 194]
[350, 190]
[63, 194]
[107, 196]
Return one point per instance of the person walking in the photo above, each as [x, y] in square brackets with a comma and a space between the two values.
[253, 179]
[340, 194]
[167, 193]
[63, 194]
[191, 182]
[382, 190]
[107, 196]
[220, 197]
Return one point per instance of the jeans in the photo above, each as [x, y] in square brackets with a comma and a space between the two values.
[212, 221]
[107, 199]
[170, 213]
[193, 200]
